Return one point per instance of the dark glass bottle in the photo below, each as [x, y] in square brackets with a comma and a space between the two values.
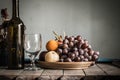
[15, 39]
[3, 34]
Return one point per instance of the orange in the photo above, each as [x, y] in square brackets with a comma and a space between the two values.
[52, 45]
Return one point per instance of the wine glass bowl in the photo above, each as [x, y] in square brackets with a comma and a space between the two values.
[32, 47]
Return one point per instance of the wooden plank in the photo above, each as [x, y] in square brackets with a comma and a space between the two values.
[2, 77]
[116, 63]
[94, 71]
[110, 69]
[73, 74]
[1, 71]
[30, 75]
[10, 74]
[51, 74]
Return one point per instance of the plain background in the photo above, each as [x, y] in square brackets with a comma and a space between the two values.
[98, 21]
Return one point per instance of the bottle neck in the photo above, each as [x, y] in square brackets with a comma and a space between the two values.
[15, 8]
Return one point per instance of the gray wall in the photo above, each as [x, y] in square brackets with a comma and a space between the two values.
[98, 21]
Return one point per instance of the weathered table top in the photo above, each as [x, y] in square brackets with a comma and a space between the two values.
[95, 72]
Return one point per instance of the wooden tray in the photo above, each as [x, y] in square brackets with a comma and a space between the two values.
[65, 65]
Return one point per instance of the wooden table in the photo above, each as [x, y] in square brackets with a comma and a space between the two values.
[95, 72]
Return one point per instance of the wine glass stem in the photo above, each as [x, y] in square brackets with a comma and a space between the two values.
[33, 64]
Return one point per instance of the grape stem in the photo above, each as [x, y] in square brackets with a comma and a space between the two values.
[57, 36]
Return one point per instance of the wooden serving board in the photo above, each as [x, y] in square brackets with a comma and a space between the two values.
[65, 65]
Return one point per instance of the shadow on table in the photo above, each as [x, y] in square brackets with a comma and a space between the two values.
[5, 78]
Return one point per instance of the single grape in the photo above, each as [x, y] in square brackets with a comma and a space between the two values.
[59, 51]
[71, 44]
[63, 57]
[91, 52]
[75, 42]
[65, 51]
[85, 59]
[81, 52]
[82, 57]
[61, 60]
[89, 47]
[86, 50]
[67, 60]
[65, 41]
[85, 41]
[95, 57]
[89, 58]
[86, 54]
[71, 38]
[97, 53]
[65, 46]
[75, 49]
[78, 38]
[76, 53]
[85, 45]
[71, 55]
[66, 37]
[69, 49]
[82, 41]
[78, 44]
[77, 59]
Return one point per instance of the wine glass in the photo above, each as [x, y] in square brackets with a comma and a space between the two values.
[32, 46]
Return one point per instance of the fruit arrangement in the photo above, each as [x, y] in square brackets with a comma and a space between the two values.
[68, 49]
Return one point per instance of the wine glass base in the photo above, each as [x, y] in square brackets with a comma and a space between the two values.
[29, 67]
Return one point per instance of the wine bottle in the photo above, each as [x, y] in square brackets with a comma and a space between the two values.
[3, 33]
[15, 39]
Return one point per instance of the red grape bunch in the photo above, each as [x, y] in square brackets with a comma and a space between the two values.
[76, 49]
